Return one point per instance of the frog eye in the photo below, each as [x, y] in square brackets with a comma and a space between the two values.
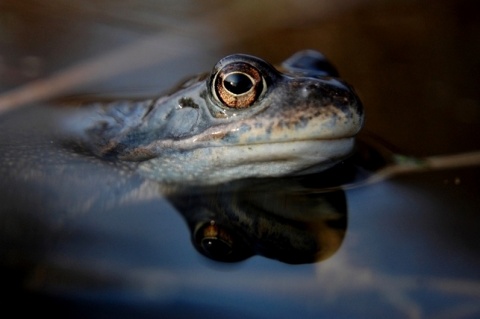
[238, 85]
[219, 243]
[214, 241]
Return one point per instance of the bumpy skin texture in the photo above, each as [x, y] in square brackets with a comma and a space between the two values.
[300, 117]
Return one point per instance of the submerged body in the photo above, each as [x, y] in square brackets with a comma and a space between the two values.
[244, 119]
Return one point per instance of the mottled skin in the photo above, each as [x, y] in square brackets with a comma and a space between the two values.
[301, 117]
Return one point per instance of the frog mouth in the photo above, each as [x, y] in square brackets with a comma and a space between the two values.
[213, 164]
[292, 155]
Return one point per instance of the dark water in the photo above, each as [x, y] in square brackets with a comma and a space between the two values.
[81, 238]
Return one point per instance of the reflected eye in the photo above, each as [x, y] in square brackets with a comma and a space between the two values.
[238, 85]
[214, 241]
[219, 243]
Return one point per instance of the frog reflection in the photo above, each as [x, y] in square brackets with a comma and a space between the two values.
[300, 219]
[279, 218]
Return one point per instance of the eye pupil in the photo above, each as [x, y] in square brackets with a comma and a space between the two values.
[219, 243]
[216, 248]
[238, 83]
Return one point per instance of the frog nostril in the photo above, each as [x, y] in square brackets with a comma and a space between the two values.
[309, 88]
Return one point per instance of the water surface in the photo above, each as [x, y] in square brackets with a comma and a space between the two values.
[80, 238]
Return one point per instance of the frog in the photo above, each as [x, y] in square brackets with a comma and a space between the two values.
[244, 119]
